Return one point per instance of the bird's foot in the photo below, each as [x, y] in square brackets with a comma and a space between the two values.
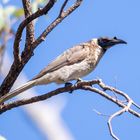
[79, 80]
[68, 84]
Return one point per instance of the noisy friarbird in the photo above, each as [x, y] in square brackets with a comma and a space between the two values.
[73, 64]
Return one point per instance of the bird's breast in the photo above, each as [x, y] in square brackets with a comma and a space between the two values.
[95, 56]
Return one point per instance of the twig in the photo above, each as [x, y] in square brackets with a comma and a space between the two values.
[99, 113]
[136, 105]
[29, 19]
[56, 22]
[62, 8]
[125, 109]
[105, 95]
[105, 87]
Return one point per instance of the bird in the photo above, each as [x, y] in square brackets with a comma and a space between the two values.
[72, 64]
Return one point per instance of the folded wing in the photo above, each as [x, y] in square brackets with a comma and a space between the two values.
[71, 56]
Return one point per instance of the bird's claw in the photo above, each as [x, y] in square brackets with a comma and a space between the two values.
[68, 84]
[79, 80]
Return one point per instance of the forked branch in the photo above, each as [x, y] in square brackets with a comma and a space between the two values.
[21, 60]
[84, 85]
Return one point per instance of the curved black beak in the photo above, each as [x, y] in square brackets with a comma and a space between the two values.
[109, 42]
[115, 41]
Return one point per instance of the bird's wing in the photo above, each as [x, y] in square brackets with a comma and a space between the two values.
[69, 57]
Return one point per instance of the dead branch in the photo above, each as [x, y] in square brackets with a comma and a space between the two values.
[105, 87]
[30, 27]
[84, 85]
[29, 19]
[125, 109]
[62, 8]
[62, 15]
[17, 65]
[20, 61]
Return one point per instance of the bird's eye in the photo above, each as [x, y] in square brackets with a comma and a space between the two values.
[115, 37]
[105, 40]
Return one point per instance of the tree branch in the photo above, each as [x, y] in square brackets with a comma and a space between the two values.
[17, 65]
[19, 62]
[85, 85]
[21, 27]
[62, 8]
[125, 109]
[62, 15]
[30, 27]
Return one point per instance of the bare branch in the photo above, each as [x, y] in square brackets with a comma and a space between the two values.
[29, 19]
[105, 87]
[110, 125]
[56, 22]
[62, 8]
[136, 105]
[125, 109]
[19, 62]
[30, 27]
[17, 65]
[85, 85]
[114, 100]
[99, 113]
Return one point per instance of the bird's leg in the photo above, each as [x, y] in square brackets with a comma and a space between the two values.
[70, 84]
[79, 80]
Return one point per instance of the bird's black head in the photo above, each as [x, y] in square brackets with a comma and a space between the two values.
[106, 43]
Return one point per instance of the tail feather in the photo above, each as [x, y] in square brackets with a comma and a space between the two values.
[17, 91]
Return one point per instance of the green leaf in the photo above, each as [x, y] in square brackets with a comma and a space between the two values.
[18, 13]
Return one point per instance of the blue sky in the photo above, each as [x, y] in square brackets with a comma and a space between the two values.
[119, 67]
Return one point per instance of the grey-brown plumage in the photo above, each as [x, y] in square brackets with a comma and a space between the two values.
[73, 64]
[74, 57]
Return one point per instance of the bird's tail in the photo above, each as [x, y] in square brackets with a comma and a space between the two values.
[17, 91]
